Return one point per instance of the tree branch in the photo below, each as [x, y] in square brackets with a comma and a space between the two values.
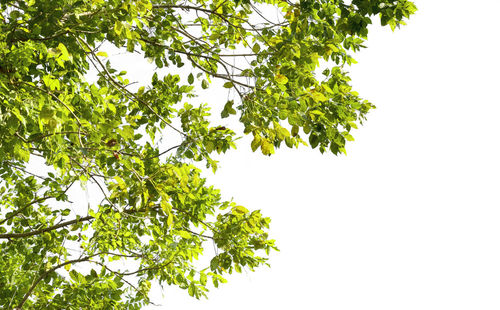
[41, 199]
[46, 273]
[164, 152]
[124, 90]
[24, 208]
[44, 230]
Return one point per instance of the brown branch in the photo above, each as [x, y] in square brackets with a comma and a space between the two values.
[56, 133]
[221, 16]
[46, 273]
[55, 98]
[46, 229]
[24, 208]
[25, 171]
[199, 235]
[191, 216]
[166, 151]
[217, 75]
[125, 91]
[93, 179]
[220, 61]
[51, 37]
[146, 269]
[21, 137]
[41, 199]
[60, 225]
[185, 7]
[122, 278]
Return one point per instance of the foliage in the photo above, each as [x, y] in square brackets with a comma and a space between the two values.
[157, 212]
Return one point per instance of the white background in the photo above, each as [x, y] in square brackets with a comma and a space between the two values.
[410, 218]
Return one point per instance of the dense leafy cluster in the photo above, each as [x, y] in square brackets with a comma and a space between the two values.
[157, 213]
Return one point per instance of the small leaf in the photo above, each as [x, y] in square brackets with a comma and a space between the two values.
[283, 133]
[191, 289]
[318, 97]
[64, 52]
[281, 79]
[214, 264]
[209, 145]
[267, 147]
[203, 278]
[118, 27]
[170, 220]
[228, 109]
[184, 234]
[190, 78]
[257, 141]
[102, 53]
[165, 206]
[228, 85]
[256, 48]
[348, 137]
[313, 140]
[239, 210]
[140, 91]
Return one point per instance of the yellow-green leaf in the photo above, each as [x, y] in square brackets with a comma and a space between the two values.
[64, 52]
[281, 79]
[118, 27]
[239, 210]
[256, 142]
[318, 97]
[267, 147]
[256, 48]
[184, 234]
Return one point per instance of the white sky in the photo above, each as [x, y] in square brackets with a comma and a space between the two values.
[410, 218]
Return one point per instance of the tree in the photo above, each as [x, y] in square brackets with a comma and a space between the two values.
[157, 212]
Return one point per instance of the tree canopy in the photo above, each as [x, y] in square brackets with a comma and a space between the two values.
[66, 107]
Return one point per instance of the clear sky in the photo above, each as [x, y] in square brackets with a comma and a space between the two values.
[410, 219]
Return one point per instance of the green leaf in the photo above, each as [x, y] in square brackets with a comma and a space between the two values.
[191, 289]
[228, 109]
[347, 136]
[256, 48]
[118, 27]
[203, 278]
[228, 85]
[240, 210]
[184, 234]
[64, 52]
[313, 140]
[256, 142]
[267, 147]
[140, 91]
[170, 220]
[190, 78]
[281, 79]
[214, 265]
[283, 133]
[209, 145]
[318, 97]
